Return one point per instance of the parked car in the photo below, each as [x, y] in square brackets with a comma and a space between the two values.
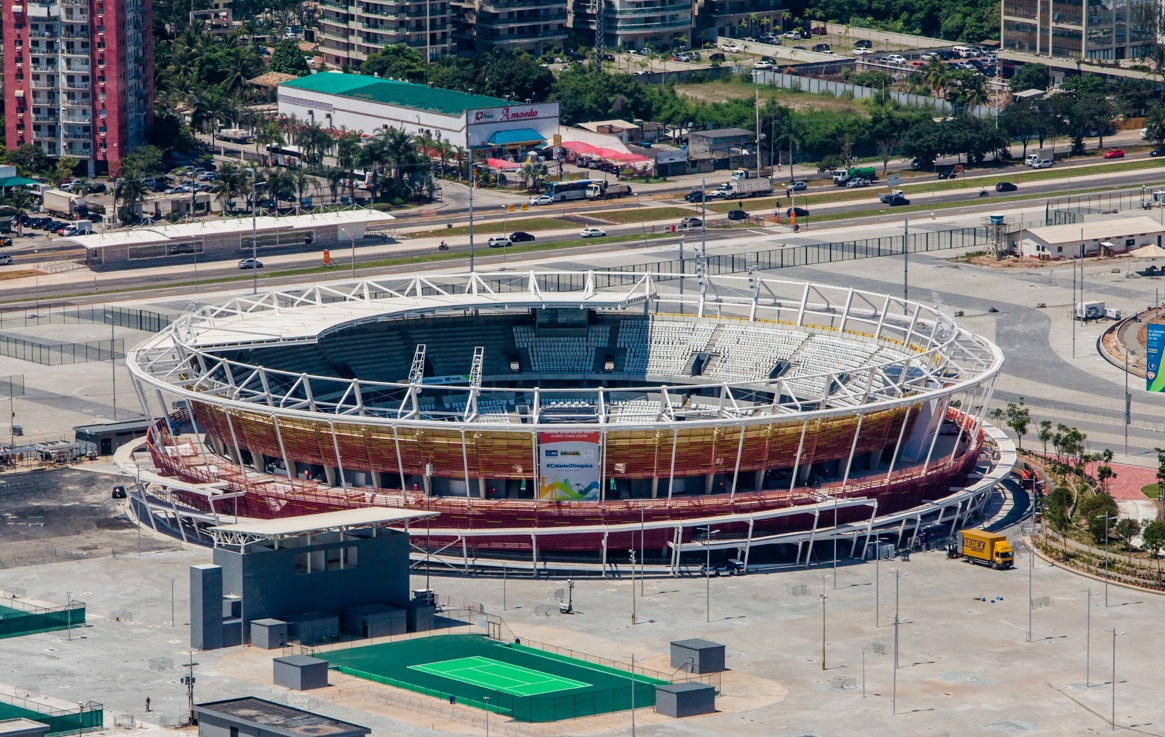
[895, 59]
[717, 57]
[520, 236]
[818, 30]
[737, 215]
[593, 233]
[863, 43]
[207, 176]
[1114, 153]
[796, 186]
[97, 188]
[250, 263]
[691, 223]
[823, 49]
[1005, 187]
[791, 34]
[763, 65]
[694, 196]
[898, 200]
[862, 51]
[499, 241]
[5, 259]
[730, 48]
[542, 199]
[800, 212]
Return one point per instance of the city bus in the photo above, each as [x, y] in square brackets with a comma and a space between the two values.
[577, 190]
[285, 155]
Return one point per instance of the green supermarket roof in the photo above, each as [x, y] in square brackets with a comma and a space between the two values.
[391, 92]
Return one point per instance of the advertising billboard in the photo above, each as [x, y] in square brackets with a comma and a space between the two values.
[568, 466]
[1154, 354]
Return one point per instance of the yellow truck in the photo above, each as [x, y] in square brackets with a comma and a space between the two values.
[986, 548]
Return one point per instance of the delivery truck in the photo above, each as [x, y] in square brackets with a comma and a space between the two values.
[985, 548]
[63, 204]
[599, 190]
[747, 188]
[842, 176]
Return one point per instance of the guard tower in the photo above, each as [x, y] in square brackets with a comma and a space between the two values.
[311, 572]
[999, 227]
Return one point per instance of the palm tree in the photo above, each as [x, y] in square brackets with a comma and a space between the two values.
[347, 158]
[303, 183]
[229, 183]
[533, 173]
[937, 75]
[19, 199]
[335, 177]
[269, 134]
[314, 141]
[209, 107]
[132, 190]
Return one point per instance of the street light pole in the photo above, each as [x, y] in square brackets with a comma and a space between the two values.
[1106, 521]
[1030, 601]
[824, 598]
[254, 241]
[631, 553]
[113, 364]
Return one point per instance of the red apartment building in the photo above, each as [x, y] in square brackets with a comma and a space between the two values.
[79, 77]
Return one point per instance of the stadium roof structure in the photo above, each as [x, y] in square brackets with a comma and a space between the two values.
[912, 350]
[345, 519]
[206, 228]
[392, 92]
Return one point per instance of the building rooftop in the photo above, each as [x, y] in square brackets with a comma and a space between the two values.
[324, 522]
[284, 720]
[1099, 230]
[391, 92]
[164, 233]
[723, 133]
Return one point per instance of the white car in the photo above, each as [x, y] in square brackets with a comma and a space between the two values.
[250, 263]
[593, 232]
[732, 48]
[542, 199]
[763, 65]
[791, 34]
[499, 241]
[862, 51]
[895, 59]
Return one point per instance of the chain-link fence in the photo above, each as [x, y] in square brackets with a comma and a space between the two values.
[61, 353]
[123, 317]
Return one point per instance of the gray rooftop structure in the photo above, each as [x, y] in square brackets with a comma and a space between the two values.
[261, 718]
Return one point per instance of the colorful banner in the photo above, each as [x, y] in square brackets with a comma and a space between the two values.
[1154, 354]
[568, 466]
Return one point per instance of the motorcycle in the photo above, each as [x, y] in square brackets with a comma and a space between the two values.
[443, 246]
[982, 192]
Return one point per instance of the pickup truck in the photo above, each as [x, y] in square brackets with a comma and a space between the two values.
[887, 196]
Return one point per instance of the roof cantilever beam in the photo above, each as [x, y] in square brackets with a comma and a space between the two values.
[475, 370]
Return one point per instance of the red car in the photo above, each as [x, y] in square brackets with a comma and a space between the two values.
[1115, 153]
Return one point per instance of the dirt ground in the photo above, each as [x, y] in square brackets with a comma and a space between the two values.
[51, 515]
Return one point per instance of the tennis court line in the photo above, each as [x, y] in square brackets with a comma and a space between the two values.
[486, 673]
[605, 669]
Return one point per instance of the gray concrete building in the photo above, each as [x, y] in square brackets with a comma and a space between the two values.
[1104, 30]
[251, 717]
[352, 30]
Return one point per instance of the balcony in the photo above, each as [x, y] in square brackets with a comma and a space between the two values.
[73, 117]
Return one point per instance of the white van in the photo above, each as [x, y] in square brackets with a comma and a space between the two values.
[964, 52]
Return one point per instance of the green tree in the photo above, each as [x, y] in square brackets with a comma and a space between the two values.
[1019, 122]
[1031, 77]
[1045, 433]
[288, 59]
[229, 184]
[65, 169]
[397, 62]
[1095, 509]
[29, 159]
[1057, 506]
[1153, 540]
[1125, 530]
[887, 126]
[936, 75]
[515, 75]
[924, 140]
[533, 173]
[1155, 122]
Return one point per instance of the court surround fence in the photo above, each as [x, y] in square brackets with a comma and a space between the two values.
[527, 708]
[19, 617]
[86, 717]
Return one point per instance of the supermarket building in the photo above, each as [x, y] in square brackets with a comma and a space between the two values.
[366, 105]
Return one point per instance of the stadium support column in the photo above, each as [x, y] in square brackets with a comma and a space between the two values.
[671, 474]
[797, 460]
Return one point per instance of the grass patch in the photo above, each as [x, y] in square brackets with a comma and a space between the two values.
[647, 214]
[493, 228]
[721, 89]
[18, 274]
[1151, 490]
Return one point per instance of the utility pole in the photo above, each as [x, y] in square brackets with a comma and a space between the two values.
[113, 365]
[471, 184]
[631, 554]
[703, 219]
[188, 681]
[824, 598]
[906, 258]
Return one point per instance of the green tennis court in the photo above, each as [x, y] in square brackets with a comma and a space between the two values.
[490, 673]
[507, 678]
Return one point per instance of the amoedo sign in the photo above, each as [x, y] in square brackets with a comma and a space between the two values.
[504, 114]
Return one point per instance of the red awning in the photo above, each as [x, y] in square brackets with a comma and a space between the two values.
[502, 165]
